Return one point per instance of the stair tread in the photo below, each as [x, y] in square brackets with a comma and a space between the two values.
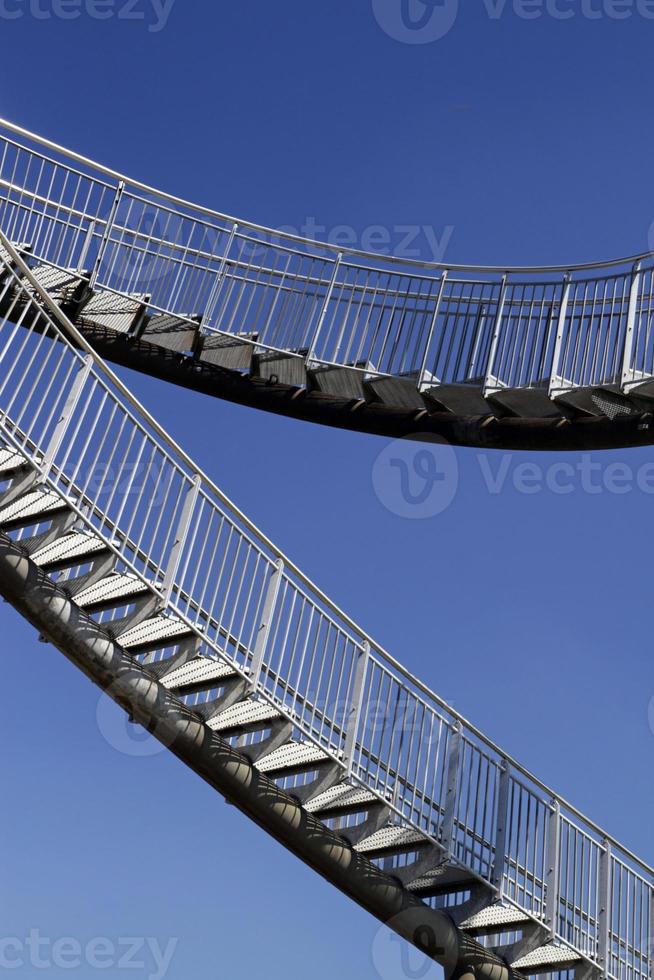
[291, 756]
[10, 460]
[244, 713]
[495, 915]
[342, 796]
[60, 284]
[390, 838]
[76, 545]
[197, 671]
[32, 504]
[153, 630]
[112, 310]
[546, 956]
[109, 588]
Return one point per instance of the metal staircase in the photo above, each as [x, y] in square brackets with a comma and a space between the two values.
[124, 555]
[546, 357]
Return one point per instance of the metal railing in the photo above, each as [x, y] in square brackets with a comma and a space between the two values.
[551, 327]
[128, 482]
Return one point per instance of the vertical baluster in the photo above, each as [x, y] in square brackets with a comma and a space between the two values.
[107, 233]
[631, 333]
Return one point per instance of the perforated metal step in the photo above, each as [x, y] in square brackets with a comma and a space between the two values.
[197, 672]
[172, 332]
[546, 958]
[10, 461]
[244, 714]
[34, 504]
[73, 546]
[292, 756]
[391, 839]
[342, 797]
[111, 589]
[159, 629]
[232, 353]
[119, 313]
[60, 284]
[495, 916]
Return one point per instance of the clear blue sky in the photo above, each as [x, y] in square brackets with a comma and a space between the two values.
[533, 140]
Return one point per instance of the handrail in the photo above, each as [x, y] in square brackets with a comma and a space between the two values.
[298, 239]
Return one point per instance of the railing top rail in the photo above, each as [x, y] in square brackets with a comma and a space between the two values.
[403, 676]
[198, 209]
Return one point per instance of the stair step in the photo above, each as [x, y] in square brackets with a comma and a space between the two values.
[171, 332]
[244, 714]
[10, 461]
[36, 503]
[196, 672]
[283, 369]
[111, 310]
[342, 797]
[60, 284]
[232, 353]
[494, 917]
[462, 399]
[391, 839]
[112, 589]
[546, 958]
[341, 382]
[67, 549]
[442, 880]
[294, 757]
[156, 630]
[532, 402]
[396, 392]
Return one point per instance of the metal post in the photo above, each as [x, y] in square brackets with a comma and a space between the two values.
[432, 329]
[323, 312]
[502, 829]
[628, 372]
[266, 620]
[452, 769]
[604, 903]
[490, 383]
[555, 379]
[66, 414]
[356, 705]
[180, 538]
[86, 245]
[218, 281]
[552, 878]
[107, 233]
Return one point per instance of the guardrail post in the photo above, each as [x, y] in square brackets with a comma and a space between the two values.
[452, 776]
[107, 234]
[180, 538]
[432, 329]
[604, 906]
[552, 877]
[269, 604]
[325, 306]
[630, 338]
[356, 705]
[86, 245]
[220, 274]
[490, 383]
[502, 829]
[66, 413]
[555, 378]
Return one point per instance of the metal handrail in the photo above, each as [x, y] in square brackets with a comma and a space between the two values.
[115, 175]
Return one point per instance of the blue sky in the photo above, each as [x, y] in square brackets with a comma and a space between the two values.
[513, 139]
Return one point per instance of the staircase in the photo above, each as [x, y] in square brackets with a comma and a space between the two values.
[124, 555]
